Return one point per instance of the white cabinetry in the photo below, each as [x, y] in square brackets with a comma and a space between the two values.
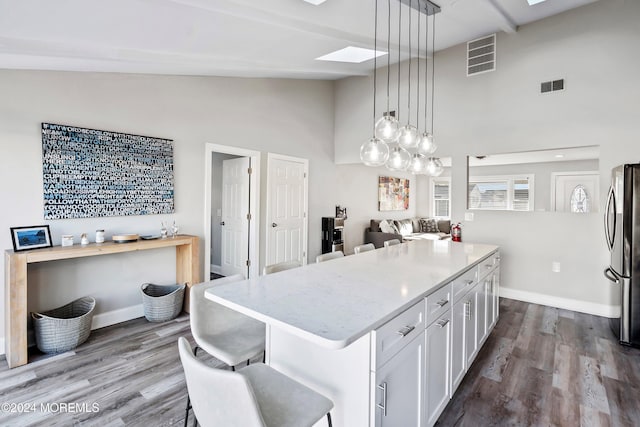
[458, 339]
[398, 374]
[399, 387]
[420, 357]
[474, 315]
[438, 367]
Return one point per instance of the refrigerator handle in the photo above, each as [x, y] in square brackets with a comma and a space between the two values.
[611, 275]
[607, 232]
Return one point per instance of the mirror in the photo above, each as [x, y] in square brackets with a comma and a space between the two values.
[558, 180]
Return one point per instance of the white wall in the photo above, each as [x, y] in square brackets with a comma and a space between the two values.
[357, 190]
[293, 117]
[594, 49]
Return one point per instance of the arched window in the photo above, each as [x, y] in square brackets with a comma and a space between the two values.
[580, 201]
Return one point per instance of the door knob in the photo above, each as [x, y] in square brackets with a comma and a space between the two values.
[273, 224]
[222, 223]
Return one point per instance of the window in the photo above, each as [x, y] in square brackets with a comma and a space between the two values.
[509, 192]
[441, 197]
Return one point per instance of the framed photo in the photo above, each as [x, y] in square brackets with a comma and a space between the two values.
[33, 237]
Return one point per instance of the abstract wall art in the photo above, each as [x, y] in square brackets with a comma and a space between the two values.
[393, 194]
[91, 173]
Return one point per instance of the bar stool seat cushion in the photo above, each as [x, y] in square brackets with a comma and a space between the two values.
[284, 402]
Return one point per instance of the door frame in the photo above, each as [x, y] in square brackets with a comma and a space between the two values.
[254, 205]
[305, 224]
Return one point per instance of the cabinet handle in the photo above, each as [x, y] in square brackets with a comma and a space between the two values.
[383, 405]
[467, 309]
[488, 266]
[443, 302]
[442, 322]
[406, 330]
[468, 282]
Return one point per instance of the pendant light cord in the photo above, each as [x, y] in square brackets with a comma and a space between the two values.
[399, 39]
[409, 74]
[418, 73]
[388, 51]
[375, 63]
[426, 72]
[433, 68]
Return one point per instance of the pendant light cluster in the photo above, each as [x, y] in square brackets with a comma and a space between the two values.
[396, 144]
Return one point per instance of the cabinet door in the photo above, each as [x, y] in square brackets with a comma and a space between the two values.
[470, 322]
[438, 367]
[490, 311]
[399, 387]
[496, 294]
[458, 356]
[481, 309]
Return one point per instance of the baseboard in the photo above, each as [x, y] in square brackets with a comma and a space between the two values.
[216, 269]
[116, 316]
[564, 303]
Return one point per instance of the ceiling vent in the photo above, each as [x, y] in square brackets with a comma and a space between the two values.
[481, 55]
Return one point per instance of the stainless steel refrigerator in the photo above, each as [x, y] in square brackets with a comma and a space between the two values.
[622, 232]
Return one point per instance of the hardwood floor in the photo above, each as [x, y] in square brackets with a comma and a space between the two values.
[132, 371]
[540, 367]
[544, 366]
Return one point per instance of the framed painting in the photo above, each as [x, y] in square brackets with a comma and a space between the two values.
[393, 194]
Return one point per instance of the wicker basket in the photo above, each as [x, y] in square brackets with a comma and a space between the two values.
[64, 328]
[162, 303]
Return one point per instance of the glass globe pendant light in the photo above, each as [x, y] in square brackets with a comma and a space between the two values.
[418, 164]
[434, 166]
[387, 127]
[426, 143]
[399, 159]
[374, 152]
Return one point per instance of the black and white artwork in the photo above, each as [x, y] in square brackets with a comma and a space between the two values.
[91, 173]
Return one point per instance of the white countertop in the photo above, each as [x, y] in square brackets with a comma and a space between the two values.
[336, 302]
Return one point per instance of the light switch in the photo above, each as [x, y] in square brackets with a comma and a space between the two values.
[468, 216]
[555, 267]
[219, 213]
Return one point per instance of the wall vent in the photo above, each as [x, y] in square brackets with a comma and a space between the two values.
[552, 86]
[481, 55]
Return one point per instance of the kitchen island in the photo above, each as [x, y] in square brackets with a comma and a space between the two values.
[381, 333]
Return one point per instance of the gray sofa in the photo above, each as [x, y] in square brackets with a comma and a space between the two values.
[406, 230]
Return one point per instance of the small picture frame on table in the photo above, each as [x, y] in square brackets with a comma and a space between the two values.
[33, 237]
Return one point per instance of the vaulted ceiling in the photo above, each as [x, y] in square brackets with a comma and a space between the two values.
[245, 38]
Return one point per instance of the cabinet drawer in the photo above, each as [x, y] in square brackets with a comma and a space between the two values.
[485, 266]
[463, 283]
[437, 303]
[398, 332]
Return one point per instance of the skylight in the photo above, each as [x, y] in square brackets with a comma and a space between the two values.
[532, 2]
[315, 2]
[351, 54]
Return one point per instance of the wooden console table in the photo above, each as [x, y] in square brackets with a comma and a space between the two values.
[15, 268]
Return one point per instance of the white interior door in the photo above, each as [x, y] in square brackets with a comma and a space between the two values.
[286, 210]
[576, 191]
[234, 220]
